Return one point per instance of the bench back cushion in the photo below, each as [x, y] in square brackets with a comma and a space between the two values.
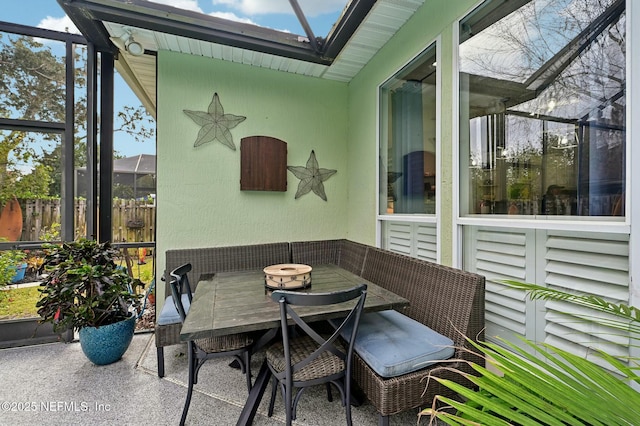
[226, 259]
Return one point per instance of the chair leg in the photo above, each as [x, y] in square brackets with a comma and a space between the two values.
[296, 399]
[288, 402]
[247, 368]
[192, 366]
[160, 357]
[274, 389]
[329, 395]
[383, 420]
[346, 399]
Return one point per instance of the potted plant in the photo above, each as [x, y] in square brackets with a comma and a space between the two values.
[84, 289]
[12, 266]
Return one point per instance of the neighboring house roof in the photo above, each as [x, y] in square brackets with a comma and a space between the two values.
[143, 164]
[364, 27]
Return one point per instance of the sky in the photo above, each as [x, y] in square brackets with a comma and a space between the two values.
[275, 14]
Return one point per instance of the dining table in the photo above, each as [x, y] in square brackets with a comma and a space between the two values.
[239, 302]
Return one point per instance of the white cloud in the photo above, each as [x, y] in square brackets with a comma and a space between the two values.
[181, 4]
[63, 24]
[232, 17]
[261, 7]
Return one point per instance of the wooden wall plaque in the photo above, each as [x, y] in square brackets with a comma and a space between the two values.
[263, 164]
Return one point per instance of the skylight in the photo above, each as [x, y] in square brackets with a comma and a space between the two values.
[277, 15]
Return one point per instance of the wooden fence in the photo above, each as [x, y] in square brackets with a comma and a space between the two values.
[133, 221]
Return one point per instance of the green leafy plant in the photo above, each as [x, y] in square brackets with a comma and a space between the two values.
[9, 259]
[84, 287]
[540, 384]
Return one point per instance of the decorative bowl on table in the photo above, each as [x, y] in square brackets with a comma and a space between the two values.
[287, 276]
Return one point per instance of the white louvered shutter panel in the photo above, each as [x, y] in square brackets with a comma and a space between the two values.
[426, 242]
[596, 264]
[501, 254]
[413, 239]
[399, 237]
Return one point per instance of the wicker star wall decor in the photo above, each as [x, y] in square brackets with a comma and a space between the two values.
[216, 125]
[311, 177]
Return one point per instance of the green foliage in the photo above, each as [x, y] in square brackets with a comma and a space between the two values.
[122, 191]
[540, 384]
[32, 80]
[8, 260]
[84, 286]
[32, 87]
[51, 233]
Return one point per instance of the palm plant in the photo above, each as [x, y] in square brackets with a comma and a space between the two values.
[540, 384]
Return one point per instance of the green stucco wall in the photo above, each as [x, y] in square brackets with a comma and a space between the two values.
[435, 19]
[199, 199]
[199, 202]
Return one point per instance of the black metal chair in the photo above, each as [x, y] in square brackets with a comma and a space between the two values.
[200, 350]
[310, 358]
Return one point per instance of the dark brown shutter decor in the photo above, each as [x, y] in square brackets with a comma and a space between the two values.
[263, 164]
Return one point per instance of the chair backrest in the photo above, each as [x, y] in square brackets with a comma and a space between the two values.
[179, 285]
[288, 300]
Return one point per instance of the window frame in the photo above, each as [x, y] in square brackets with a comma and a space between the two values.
[380, 138]
[383, 218]
[613, 224]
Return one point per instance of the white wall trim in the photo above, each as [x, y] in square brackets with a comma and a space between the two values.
[438, 43]
[456, 228]
[633, 157]
[610, 227]
[408, 218]
[377, 197]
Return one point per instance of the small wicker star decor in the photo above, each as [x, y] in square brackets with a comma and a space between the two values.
[311, 177]
[216, 125]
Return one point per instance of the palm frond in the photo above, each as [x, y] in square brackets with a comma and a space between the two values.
[554, 388]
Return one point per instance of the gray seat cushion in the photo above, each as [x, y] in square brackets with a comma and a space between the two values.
[169, 313]
[393, 344]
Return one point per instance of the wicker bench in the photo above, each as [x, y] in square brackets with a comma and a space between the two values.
[447, 300]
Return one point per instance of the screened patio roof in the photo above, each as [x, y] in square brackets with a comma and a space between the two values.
[363, 28]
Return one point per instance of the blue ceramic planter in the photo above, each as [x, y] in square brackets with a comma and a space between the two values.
[20, 271]
[105, 345]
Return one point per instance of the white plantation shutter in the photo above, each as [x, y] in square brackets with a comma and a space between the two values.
[412, 238]
[426, 245]
[586, 263]
[500, 254]
[591, 263]
[398, 237]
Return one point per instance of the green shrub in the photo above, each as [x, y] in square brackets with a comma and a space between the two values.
[8, 260]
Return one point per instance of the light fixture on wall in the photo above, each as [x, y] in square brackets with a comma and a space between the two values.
[133, 47]
[127, 43]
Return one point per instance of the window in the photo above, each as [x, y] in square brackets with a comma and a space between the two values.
[542, 108]
[408, 138]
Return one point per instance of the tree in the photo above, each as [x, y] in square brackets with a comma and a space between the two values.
[32, 87]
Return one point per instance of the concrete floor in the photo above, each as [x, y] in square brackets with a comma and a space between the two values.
[55, 384]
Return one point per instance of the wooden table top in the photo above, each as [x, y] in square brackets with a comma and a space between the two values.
[236, 302]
